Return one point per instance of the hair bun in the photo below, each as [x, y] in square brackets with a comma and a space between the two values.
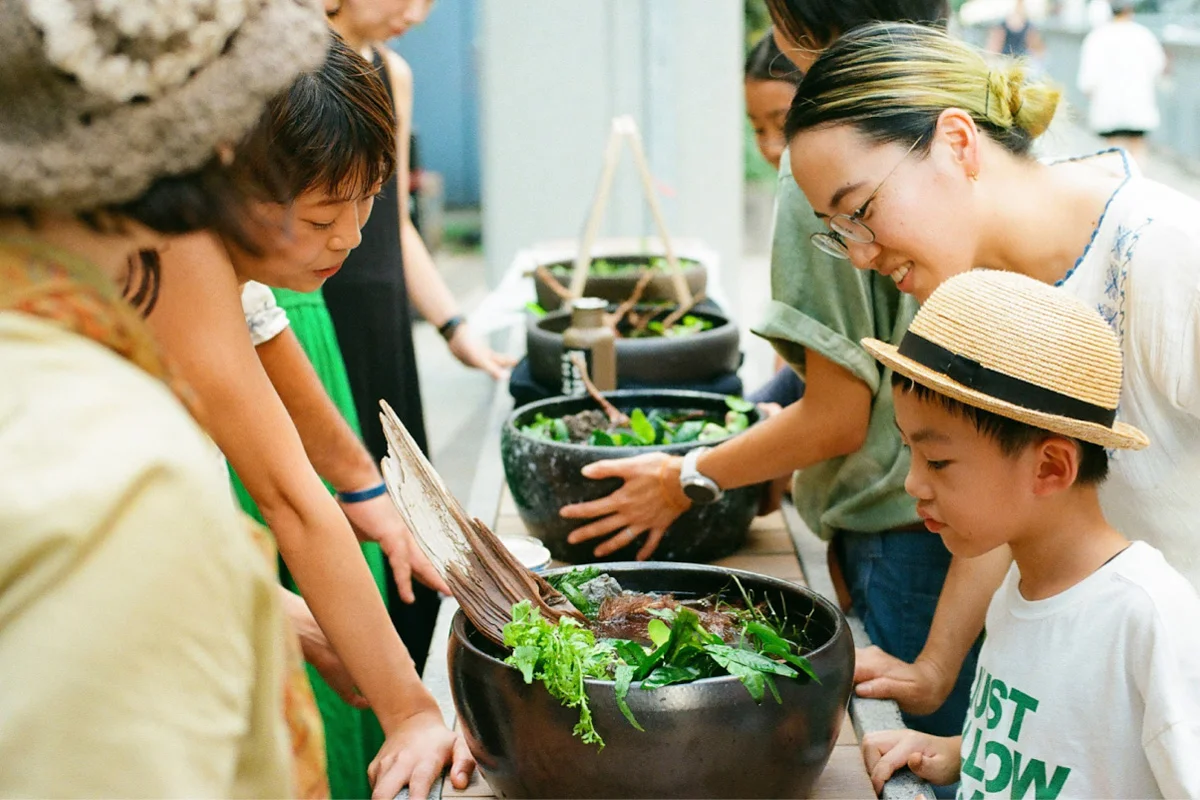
[1015, 102]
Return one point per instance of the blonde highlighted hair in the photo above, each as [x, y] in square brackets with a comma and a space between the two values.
[891, 81]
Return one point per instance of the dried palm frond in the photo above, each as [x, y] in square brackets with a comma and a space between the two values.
[485, 578]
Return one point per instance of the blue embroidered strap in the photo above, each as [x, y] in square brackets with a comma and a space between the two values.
[361, 496]
[973, 375]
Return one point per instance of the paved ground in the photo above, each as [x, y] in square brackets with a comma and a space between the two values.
[456, 399]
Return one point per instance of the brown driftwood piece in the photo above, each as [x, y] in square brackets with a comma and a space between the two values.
[483, 575]
[614, 414]
[555, 286]
[682, 311]
[614, 319]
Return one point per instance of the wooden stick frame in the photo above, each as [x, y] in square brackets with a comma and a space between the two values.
[625, 131]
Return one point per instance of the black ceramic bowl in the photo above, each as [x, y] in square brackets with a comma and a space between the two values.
[543, 476]
[617, 288]
[653, 361]
[701, 739]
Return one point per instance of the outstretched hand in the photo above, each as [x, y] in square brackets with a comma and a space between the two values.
[377, 520]
[415, 754]
[931, 758]
[471, 351]
[648, 502]
[918, 688]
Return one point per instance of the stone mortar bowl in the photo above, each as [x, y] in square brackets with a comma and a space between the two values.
[616, 288]
[656, 360]
[701, 739]
[543, 476]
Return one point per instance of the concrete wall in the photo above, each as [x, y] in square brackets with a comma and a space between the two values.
[554, 73]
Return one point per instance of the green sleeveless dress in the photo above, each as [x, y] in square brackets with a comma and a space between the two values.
[352, 736]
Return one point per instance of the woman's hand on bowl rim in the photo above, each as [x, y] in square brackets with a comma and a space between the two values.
[647, 503]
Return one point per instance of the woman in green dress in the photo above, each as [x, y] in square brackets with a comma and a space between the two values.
[352, 733]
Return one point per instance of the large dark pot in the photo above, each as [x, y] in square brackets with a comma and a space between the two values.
[701, 739]
[543, 476]
[657, 361]
[618, 288]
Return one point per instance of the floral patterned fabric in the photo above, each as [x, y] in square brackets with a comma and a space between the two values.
[47, 283]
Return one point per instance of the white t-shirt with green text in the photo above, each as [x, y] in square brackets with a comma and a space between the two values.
[1094, 692]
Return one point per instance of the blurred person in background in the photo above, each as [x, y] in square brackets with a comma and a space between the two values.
[1015, 35]
[1119, 69]
[143, 646]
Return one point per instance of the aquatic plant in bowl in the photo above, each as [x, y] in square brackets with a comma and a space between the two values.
[543, 462]
[700, 682]
[614, 278]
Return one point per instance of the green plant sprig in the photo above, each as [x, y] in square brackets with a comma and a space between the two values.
[655, 428]
[563, 656]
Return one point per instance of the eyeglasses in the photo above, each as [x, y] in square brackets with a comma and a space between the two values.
[850, 227]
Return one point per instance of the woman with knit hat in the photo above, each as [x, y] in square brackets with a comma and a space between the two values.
[143, 644]
[333, 136]
[918, 160]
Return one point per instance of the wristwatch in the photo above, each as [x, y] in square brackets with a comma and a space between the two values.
[699, 488]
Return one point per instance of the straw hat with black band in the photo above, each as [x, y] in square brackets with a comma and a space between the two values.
[102, 97]
[1020, 348]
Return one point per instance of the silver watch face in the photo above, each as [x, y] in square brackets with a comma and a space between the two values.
[699, 492]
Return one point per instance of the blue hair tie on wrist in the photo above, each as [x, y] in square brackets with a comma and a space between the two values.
[365, 494]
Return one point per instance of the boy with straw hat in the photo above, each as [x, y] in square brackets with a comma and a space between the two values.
[1088, 684]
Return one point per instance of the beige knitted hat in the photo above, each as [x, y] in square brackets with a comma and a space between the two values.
[1019, 348]
[99, 98]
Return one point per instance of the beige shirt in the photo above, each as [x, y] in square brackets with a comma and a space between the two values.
[140, 639]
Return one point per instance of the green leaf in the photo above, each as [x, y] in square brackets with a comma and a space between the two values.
[525, 658]
[689, 431]
[752, 679]
[601, 439]
[736, 422]
[641, 426]
[738, 404]
[652, 660]
[623, 678]
[569, 582]
[631, 652]
[559, 430]
[668, 674]
[711, 431]
[801, 663]
[770, 682]
[767, 635]
[729, 657]
[659, 632]
[535, 309]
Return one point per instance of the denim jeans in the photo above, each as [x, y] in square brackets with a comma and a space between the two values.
[895, 578]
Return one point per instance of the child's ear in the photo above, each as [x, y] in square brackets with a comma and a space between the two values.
[1057, 465]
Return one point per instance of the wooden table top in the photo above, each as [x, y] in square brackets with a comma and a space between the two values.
[769, 550]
